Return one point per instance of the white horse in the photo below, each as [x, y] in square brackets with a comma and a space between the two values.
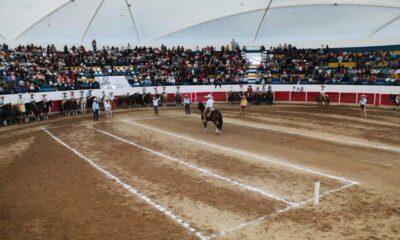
[83, 106]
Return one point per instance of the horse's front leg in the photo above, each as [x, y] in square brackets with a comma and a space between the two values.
[205, 127]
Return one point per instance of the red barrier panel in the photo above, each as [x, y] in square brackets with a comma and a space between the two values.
[312, 96]
[282, 96]
[385, 100]
[170, 97]
[201, 96]
[348, 98]
[333, 96]
[219, 96]
[298, 96]
[56, 106]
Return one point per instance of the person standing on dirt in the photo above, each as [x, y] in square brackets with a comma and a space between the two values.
[155, 104]
[186, 102]
[243, 105]
[96, 109]
[108, 108]
[363, 105]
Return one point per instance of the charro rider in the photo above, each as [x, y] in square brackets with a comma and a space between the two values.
[209, 106]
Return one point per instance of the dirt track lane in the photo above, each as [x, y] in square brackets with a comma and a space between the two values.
[47, 192]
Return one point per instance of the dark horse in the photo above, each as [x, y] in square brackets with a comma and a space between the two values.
[178, 99]
[233, 96]
[395, 99]
[214, 116]
[267, 97]
[322, 98]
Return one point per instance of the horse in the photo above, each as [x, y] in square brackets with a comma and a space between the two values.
[32, 108]
[232, 97]
[214, 116]
[9, 114]
[322, 98]
[82, 104]
[70, 107]
[44, 108]
[6, 114]
[267, 97]
[395, 99]
[163, 99]
[147, 99]
[178, 99]
[257, 98]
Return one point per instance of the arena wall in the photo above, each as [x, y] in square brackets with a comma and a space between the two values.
[346, 94]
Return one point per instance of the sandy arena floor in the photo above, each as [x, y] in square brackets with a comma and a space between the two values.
[141, 177]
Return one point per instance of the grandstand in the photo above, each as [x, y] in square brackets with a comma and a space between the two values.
[104, 106]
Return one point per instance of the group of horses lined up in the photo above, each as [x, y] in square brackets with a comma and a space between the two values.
[24, 112]
[138, 100]
[255, 98]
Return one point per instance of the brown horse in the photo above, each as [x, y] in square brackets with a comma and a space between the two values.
[214, 116]
[322, 98]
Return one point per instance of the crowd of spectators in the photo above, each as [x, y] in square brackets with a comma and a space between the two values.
[324, 65]
[35, 68]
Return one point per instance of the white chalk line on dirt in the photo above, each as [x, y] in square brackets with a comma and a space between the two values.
[323, 138]
[90, 124]
[202, 170]
[179, 220]
[157, 117]
[70, 125]
[278, 212]
[342, 179]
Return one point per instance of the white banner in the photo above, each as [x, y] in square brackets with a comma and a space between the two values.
[113, 82]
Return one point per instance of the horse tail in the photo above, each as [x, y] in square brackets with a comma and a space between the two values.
[220, 122]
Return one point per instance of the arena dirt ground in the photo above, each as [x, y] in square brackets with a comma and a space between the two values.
[254, 181]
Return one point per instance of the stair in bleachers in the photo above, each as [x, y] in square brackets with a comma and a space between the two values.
[254, 59]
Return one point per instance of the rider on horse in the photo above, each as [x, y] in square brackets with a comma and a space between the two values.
[209, 106]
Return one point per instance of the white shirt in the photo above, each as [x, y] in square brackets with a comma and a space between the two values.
[107, 104]
[363, 101]
[186, 100]
[155, 102]
[210, 103]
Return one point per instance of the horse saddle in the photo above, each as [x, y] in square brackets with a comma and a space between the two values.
[210, 112]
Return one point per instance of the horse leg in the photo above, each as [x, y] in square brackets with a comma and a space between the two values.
[217, 130]
[205, 127]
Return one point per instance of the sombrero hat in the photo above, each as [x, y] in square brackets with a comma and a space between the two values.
[209, 96]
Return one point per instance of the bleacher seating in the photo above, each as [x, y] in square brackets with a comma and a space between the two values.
[287, 64]
[33, 68]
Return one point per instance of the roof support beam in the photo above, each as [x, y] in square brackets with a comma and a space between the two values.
[128, 5]
[2, 36]
[41, 18]
[383, 26]
[92, 18]
[207, 21]
[370, 3]
[262, 20]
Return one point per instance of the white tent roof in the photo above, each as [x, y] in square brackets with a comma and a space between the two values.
[201, 22]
